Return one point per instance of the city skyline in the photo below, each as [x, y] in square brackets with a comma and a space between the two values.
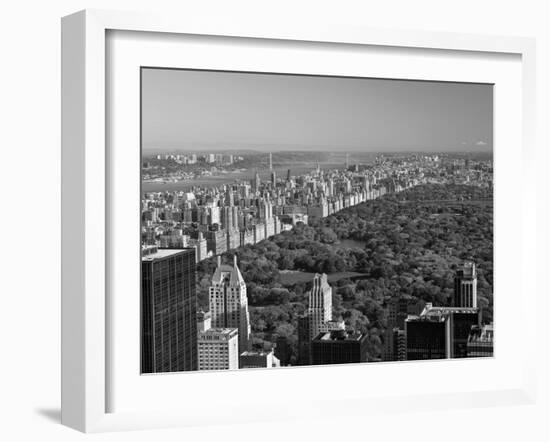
[280, 282]
[189, 110]
[302, 246]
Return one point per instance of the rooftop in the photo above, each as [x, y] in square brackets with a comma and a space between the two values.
[161, 253]
[256, 353]
[212, 332]
[225, 272]
[339, 335]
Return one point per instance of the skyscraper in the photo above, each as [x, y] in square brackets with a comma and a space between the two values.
[440, 332]
[168, 310]
[428, 337]
[304, 340]
[317, 318]
[229, 303]
[466, 286]
[320, 304]
[257, 182]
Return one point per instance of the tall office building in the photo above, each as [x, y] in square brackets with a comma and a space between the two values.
[463, 319]
[168, 310]
[218, 349]
[282, 350]
[465, 294]
[229, 303]
[229, 196]
[257, 182]
[304, 340]
[440, 332]
[428, 337]
[339, 347]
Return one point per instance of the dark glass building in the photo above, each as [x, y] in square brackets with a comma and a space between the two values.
[304, 343]
[428, 337]
[168, 310]
[282, 350]
[440, 332]
[339, 347]
[462, 321]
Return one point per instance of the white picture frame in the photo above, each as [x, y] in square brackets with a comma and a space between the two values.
[85, 198]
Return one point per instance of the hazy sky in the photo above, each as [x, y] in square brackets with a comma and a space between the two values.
[212, 110]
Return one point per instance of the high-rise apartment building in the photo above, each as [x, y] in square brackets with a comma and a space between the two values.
[168, 310]
[218, 349]
[229, 302]
[320, 304]
[465, 294]
[317, 318]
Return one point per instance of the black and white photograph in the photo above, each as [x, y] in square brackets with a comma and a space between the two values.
[280, 221]
[299, 220]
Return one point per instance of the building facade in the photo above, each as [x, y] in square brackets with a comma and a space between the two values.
[465, 294]
[480, 342]
[317, 318]
[428, 337]
[440, 332]
[229, 302]
[320, 304]
[168, 311]
[339, 347]
[218, 349]
[304, 340]
[258, 359]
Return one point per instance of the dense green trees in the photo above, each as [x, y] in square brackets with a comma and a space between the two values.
[406, 244]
